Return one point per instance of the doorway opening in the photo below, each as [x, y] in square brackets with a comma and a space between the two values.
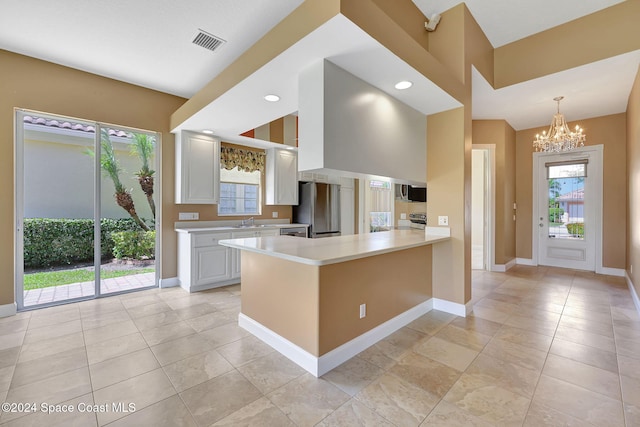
[85, 209]
[482, 217]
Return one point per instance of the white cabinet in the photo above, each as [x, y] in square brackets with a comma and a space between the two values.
[197, 168]
[347, 206]
[281, 177]
[235, 257]
[211, 264]
[270, 232]
[202, 262]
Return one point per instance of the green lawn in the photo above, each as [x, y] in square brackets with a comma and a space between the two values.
[65, 277]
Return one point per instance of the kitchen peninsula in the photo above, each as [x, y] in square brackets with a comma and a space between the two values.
[322, 301]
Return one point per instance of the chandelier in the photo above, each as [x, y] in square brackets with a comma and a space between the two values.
[559, 138]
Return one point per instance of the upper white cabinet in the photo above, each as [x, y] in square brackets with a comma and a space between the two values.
[281, 186]
[197, 168]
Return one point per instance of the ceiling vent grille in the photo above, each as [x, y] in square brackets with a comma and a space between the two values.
[207, 41]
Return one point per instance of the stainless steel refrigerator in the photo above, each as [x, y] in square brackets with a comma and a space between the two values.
[318, 206]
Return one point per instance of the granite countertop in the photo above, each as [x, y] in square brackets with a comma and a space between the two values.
[331, 250]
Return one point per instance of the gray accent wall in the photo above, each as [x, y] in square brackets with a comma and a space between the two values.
[345, 124]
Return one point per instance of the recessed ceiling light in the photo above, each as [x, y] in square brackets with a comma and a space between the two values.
[405, 84]
[207, 131]
[272, 98]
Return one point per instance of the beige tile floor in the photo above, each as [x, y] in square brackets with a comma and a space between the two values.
[542, 347]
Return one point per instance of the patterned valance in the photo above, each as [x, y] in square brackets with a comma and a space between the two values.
[245, 160]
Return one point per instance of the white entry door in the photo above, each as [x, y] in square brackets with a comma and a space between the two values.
[569, 208]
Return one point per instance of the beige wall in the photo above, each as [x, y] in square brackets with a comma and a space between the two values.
[459, 45]
[317, 307]
[601, 35]
[38, 85]
[633, 180]
[609, 131]
[446, 196]
[500, 134]
[42, 86]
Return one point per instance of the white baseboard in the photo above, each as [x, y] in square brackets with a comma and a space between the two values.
[7, 310]
[619, 272]
[452, 307]
[319, 366]
[198, 288]
[634, 294]
[169, 282]
[502, 268]
[525, 261]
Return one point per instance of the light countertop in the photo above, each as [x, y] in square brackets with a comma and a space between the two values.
[204, 228]
[331, 250]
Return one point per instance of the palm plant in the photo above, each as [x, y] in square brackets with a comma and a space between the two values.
[554, 191]
[143, 148]
[109, 165]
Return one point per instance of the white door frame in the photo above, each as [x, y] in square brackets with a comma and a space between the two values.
[597, 152]
[18, 236]
[489, 203]
[18, 202]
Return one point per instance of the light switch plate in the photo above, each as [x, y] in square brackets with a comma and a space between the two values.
[403, 216]
[443, 220]
[274, 214]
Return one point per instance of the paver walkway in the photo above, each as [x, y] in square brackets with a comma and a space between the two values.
[77, 290]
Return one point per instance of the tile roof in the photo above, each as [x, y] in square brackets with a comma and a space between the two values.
[573, 195]
[35, 120]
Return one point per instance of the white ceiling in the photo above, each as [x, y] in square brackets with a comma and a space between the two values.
[148, 43]
[144, 42]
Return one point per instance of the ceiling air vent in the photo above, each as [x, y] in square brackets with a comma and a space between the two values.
[207, 41]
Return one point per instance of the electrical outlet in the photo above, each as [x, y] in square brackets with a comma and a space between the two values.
[403, 216]
[188, 216]
[363, 310]
[274, 215]
[443, 220]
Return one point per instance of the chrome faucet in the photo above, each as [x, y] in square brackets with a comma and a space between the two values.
[248, 221]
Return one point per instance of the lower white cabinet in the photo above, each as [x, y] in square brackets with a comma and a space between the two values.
[212, 264]
[236, 253]
[204, 264]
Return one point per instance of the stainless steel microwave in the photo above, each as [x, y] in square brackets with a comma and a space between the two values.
[410, 193]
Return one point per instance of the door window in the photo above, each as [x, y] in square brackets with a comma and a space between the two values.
[566, 196]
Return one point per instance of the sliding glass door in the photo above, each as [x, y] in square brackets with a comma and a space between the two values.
[127, 214]
[79, 234]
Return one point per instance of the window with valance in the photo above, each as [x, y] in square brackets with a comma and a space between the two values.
[244, 160]
[240, 178]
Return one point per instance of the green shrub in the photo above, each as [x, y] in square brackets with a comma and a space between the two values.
[577, 229]
[134, 244]
[555, 214]
[51, 242]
